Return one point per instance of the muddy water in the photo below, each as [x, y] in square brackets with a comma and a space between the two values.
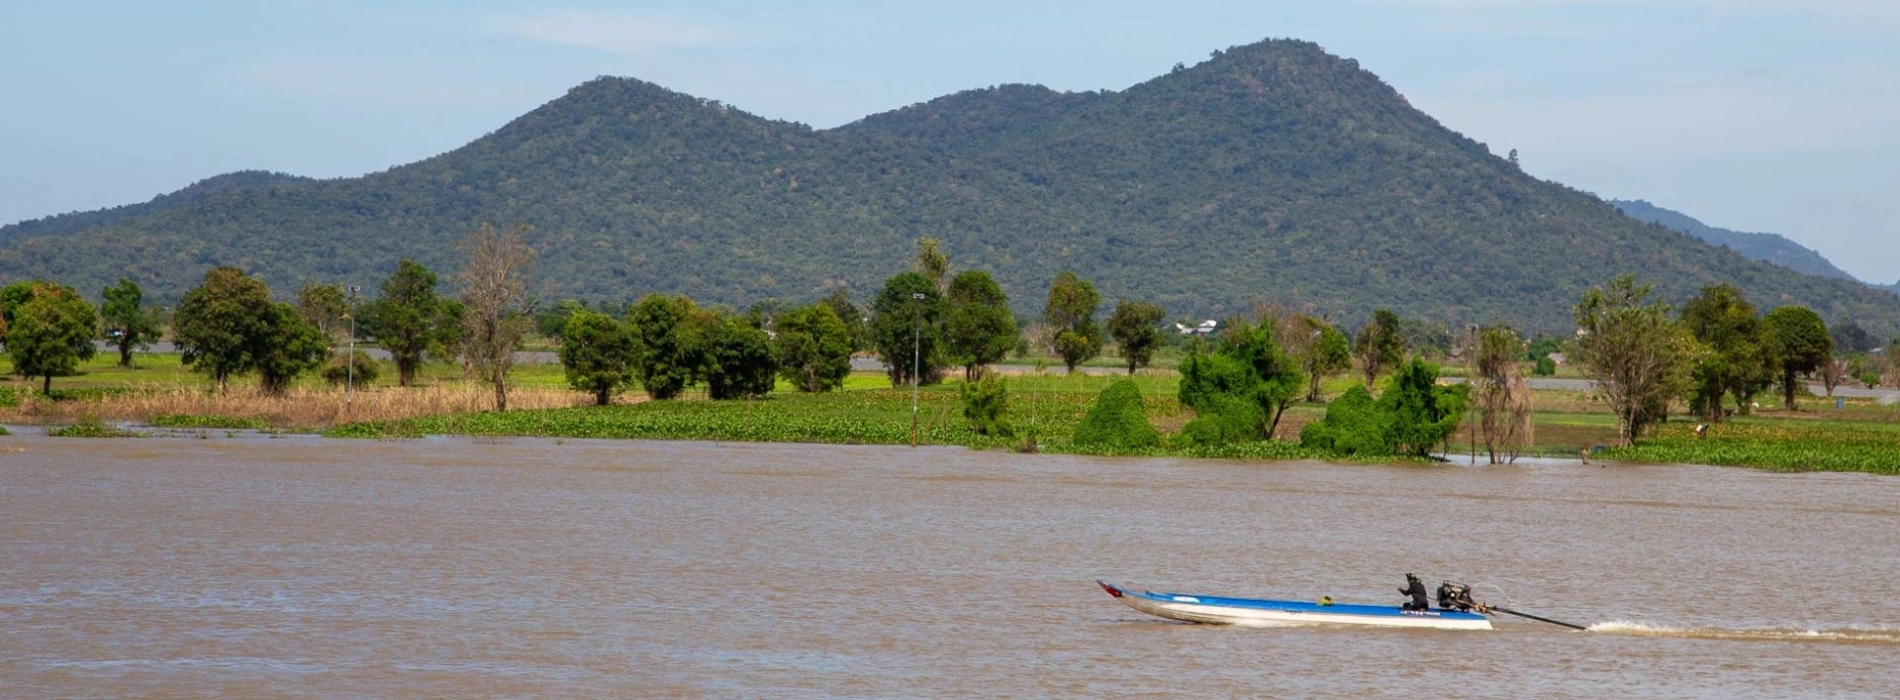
[307, 567]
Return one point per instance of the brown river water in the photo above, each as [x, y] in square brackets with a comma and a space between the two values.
[299, 566]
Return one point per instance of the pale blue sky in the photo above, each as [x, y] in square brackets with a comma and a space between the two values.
[1764, 115]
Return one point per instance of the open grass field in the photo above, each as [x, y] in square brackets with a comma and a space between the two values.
[1044, 408]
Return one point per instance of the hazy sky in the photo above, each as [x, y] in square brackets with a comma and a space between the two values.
[1759, 115]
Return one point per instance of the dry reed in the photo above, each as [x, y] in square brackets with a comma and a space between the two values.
[299, 409]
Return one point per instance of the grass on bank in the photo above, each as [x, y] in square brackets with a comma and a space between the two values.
[1776, 444]
[1856, 434]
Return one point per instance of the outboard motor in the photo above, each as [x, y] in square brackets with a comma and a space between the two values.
[1455, 596]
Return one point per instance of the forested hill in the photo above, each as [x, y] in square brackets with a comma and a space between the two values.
[1272, 172]
[1766, 247]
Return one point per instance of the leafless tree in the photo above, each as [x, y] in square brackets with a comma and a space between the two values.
[494, 284]
[1502, 394]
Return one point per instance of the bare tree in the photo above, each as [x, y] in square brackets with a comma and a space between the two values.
[494, 283]
[1502, 394]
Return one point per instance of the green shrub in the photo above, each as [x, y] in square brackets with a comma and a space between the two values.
[1545, 367]
[3, 430]
[1410, 418]
[1117, 420]
[337, 372]
[91, 426]
[180, 420]
[1223, 420]
[986, 406]
[1353, 426]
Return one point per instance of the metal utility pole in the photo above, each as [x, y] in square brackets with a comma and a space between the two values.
[349, 382]
[916, 369]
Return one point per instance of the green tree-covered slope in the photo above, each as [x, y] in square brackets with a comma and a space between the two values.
[1272, 172]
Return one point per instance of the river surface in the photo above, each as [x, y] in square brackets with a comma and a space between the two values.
[298, 566]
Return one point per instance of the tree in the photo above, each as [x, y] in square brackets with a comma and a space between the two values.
[51, 333]
[853, 317]
[326, 307]
[1501, 394]
[904, 327]
[551, 322]
[1799, 343]
[283, 346]
[933, 264]
[406, 319]
[597, 355]
[1736, 361]
[1319, 348]
[218, 321]
[1410, 418]
[1379, 346]
[986, 406]
[814, 348]
[1241, 390]
[740, 360]
[494, 284]
[1639, 358]
[1070, 313]
[13, 296]
[1118, 420]
[668, 351]
[127, 324]
[1136, 328]
[978, 328]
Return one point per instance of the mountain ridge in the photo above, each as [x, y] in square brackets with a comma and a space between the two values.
[1271, 172]
[1766, 247]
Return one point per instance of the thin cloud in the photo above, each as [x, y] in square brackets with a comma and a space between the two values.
[619, 32]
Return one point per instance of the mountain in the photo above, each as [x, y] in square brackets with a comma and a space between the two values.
[1271, 172]
[1766, 247]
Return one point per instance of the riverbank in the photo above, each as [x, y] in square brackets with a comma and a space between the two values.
[1044, 408]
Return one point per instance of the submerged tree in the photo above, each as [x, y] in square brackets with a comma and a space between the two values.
[1501, 395]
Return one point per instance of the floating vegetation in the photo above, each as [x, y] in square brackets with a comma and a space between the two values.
[92, 427]
[1784, 445]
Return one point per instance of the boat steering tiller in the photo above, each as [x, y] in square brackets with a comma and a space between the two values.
[1457, 596]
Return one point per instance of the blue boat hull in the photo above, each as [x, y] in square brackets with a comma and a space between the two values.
[1268, 613]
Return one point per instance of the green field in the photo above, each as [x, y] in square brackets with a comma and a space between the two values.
[1044, 408]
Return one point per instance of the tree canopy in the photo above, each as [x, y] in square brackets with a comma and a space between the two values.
[49, 332]
[1136, 328]
[978, 328]
[1639, 357]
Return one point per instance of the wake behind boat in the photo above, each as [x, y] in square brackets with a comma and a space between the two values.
[1262, 612]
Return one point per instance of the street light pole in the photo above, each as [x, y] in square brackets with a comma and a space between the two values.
[349, 382]
[916, 362]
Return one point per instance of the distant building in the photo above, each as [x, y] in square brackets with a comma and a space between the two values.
[1206, 328]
